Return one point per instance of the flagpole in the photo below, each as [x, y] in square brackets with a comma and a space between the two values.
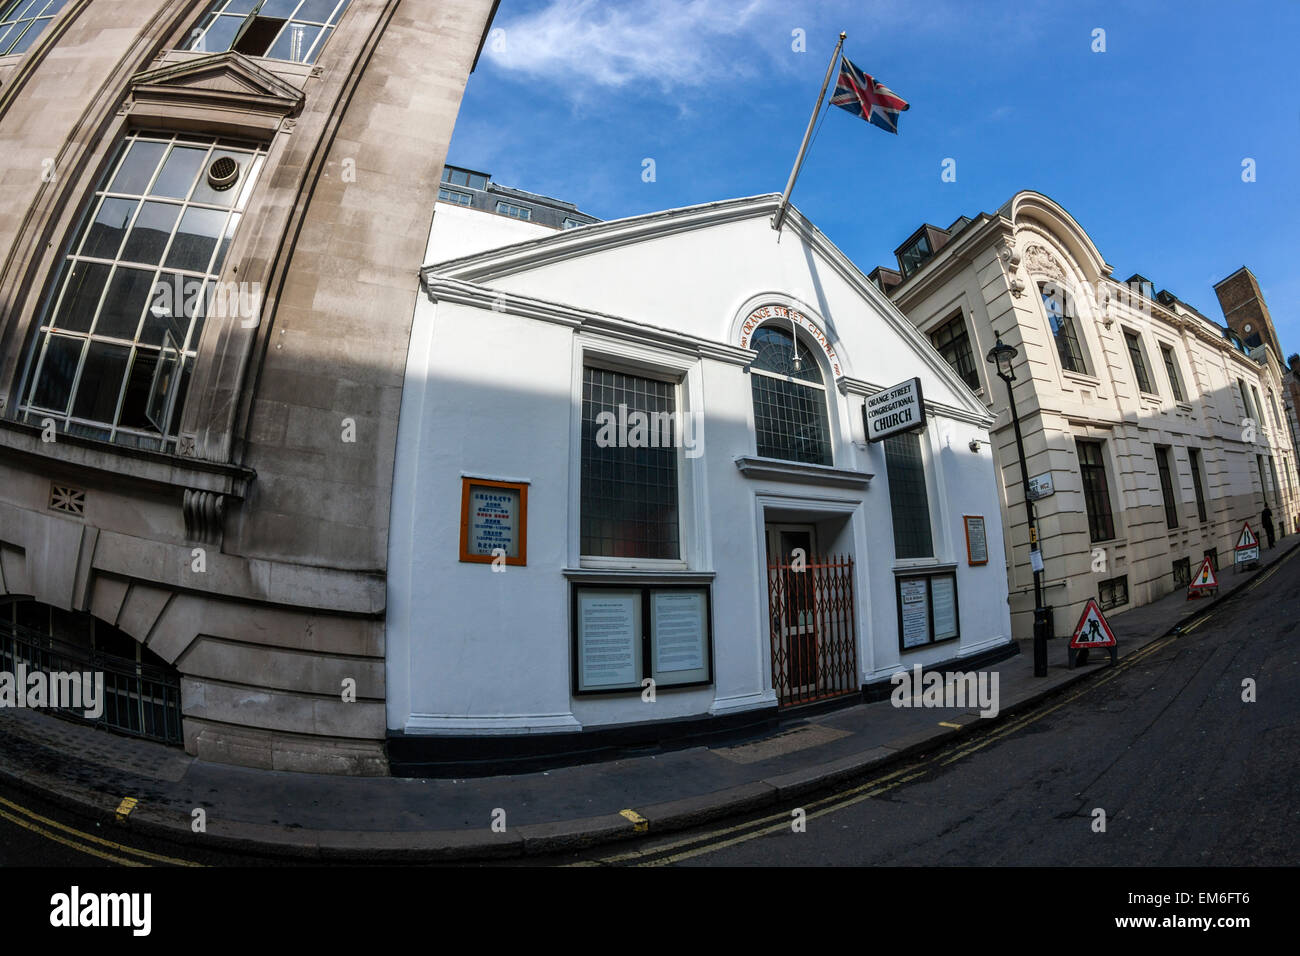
[779, 217]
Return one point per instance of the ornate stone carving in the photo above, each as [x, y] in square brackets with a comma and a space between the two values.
[204, 511]
[1039, 261]
[185, 446]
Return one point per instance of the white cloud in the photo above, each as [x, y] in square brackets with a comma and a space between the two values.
[584, 45]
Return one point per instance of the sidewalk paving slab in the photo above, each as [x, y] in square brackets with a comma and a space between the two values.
[375, 819]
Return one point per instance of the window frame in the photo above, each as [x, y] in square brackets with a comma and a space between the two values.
[1164, 468]
[1172, 371]
[1137, 355]
[455, 196]
[827, 405]
[1089, 494]
[885, 445]
[76, 252]
[1071, 344]
[1194, 461]
[1117, 585]
[32, 26]
[527, 212]
[957, 319]
[215, 11]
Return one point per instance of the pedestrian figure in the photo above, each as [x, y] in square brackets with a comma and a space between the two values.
[1266, 519]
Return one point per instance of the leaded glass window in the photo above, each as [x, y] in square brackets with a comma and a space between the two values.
[629, 475]
[120, 329]
[909, 502]
[790, 416]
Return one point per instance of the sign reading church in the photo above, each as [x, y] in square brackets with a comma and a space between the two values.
[672, 585]
[893, 411]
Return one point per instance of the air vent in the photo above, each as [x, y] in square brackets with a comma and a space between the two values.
[223, 173]
[70, 501]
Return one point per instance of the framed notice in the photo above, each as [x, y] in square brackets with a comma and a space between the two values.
[625, 634]
[493, 521]
[679, 630]
[977, 542]
[914, 611]
[928, 611]
[609, 645]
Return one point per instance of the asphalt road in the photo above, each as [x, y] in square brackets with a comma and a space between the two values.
[1186, 772]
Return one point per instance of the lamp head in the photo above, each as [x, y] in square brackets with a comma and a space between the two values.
[1001, 356]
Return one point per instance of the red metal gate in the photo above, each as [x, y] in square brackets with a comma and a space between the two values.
[812, 625]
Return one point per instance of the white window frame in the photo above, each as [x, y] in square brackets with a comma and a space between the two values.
[646, 362]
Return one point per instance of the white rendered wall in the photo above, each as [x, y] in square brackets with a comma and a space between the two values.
[492, 394]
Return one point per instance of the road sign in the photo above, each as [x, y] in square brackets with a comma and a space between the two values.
[1247, 547]
[1205, 580]
[1093, 631]
[1040, 486]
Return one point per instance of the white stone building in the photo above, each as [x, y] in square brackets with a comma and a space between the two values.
[544, 564]
[1137, 407]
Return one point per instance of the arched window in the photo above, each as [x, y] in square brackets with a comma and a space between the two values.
[789, 399]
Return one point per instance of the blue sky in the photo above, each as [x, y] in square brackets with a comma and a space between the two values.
[1143, 143]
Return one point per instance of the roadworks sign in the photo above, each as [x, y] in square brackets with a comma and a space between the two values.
[1093, 631]
[1247, 546]
[1205, 580]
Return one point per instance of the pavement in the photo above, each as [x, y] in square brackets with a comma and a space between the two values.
[393, 819]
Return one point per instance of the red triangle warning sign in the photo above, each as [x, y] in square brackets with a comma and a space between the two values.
[1205, 578]
[1093, 631]
[1247, 539]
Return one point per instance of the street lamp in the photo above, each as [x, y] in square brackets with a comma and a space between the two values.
[1001, 357]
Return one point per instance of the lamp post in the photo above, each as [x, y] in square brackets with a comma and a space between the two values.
[1001, 356]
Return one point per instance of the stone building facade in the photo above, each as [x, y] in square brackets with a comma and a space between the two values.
[212, 216]
[1138, 408]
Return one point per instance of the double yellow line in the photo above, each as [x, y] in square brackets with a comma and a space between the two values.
[80, 841]
[693, 846]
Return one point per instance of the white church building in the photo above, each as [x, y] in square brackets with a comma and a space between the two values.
[635, 497]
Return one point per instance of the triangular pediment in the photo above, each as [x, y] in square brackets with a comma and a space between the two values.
[700, 272]
[228, 78]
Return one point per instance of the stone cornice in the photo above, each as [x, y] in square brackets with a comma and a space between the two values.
[122, 463]
[226, 91]
[442, 289]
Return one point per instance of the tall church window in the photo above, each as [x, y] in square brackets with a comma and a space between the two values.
[789, 399]
[120, 329]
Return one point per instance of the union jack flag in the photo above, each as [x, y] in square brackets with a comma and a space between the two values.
[858, 93]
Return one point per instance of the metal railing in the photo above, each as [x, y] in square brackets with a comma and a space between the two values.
[139, 699]
[812, 623]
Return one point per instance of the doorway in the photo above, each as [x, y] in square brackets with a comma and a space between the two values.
[811, 617]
